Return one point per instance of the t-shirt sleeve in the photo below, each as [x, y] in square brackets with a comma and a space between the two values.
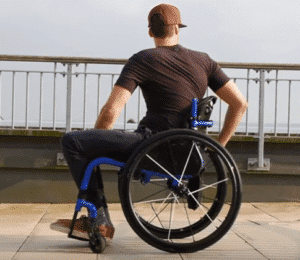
[133, 73]
[217, 77]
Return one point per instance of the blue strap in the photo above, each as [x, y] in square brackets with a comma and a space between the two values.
[208, 123]
[194, 108]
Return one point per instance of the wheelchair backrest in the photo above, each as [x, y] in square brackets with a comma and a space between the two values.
[201, 112]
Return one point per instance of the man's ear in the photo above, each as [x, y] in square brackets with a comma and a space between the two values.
[151, 33]
[176, 29]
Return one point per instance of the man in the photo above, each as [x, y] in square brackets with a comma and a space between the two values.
[170, 76]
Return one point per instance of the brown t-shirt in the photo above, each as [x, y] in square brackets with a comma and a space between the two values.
[170, 77]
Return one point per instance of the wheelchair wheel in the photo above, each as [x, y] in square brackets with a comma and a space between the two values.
[97, 242]
[180, 191]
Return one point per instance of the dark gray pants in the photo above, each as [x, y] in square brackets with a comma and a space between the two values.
[81, 147]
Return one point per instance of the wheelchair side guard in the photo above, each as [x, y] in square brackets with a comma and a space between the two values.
[81, 202]
[93, 164]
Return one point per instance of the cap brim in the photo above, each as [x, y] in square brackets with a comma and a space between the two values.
[182, 26]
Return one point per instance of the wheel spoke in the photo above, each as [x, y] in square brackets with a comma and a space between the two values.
[163, 168]
[201, 207]
[156, 216]
[160, 209]
[187, 216]
[151, 201]
[200, 155]
[171, 218]
[208, 186]
[187, 161]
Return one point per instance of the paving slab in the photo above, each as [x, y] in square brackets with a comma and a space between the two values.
[281, 211]
[261, 231]
[17, 221]
[10, 244]
[249, 211]
[20, 219]
[273, 240]
[224, 255]
[54, 256]
[62, 211]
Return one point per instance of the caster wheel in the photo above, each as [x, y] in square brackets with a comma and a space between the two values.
[97, 242]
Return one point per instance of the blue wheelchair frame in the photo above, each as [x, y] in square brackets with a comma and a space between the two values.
[81, 201]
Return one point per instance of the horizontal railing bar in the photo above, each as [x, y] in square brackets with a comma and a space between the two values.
[258, 66]
[238, 78]
[61, 59]
[95, 74]
[34, 71]
[61, 72]
[267, 80]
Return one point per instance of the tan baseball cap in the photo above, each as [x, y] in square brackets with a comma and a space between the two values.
[164, 14]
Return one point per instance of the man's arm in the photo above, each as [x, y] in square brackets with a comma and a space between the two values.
[237, 106]
[112, 108]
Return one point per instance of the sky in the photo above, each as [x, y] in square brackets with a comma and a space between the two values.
[228, 30]
[258, 31]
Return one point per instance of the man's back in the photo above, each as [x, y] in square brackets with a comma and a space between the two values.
[170, 77]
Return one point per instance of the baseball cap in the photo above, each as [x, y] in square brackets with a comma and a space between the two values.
[164, 14]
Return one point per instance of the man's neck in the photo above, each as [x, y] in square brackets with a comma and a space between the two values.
[166, 42]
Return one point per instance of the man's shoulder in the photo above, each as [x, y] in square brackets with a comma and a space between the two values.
[200, 57]
[143, 54]
[199, 54]
[146, 52]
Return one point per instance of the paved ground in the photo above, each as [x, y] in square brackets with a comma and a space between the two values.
[262, 231]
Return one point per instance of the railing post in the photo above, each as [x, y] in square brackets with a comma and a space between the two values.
[13, 101]
[261, 119]
[41, 101]
[1, 118]
[69, 98]
[54, 96]
[260, 164]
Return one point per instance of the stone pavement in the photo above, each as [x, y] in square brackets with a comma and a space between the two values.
[262, 231]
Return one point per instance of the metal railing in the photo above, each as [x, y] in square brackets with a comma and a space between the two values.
[65, 93]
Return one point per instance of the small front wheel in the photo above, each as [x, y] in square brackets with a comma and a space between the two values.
[97, 242]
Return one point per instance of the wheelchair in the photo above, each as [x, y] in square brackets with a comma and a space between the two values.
[180, 190]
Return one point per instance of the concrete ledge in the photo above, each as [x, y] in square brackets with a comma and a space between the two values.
[280, 138]
[268, 138]
[40, 149]
[49, 186]
[31, 132]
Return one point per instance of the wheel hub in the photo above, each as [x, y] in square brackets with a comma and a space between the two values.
[179, 189]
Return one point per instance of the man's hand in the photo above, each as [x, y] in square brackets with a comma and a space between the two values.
[112, 108]
[237, 106]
